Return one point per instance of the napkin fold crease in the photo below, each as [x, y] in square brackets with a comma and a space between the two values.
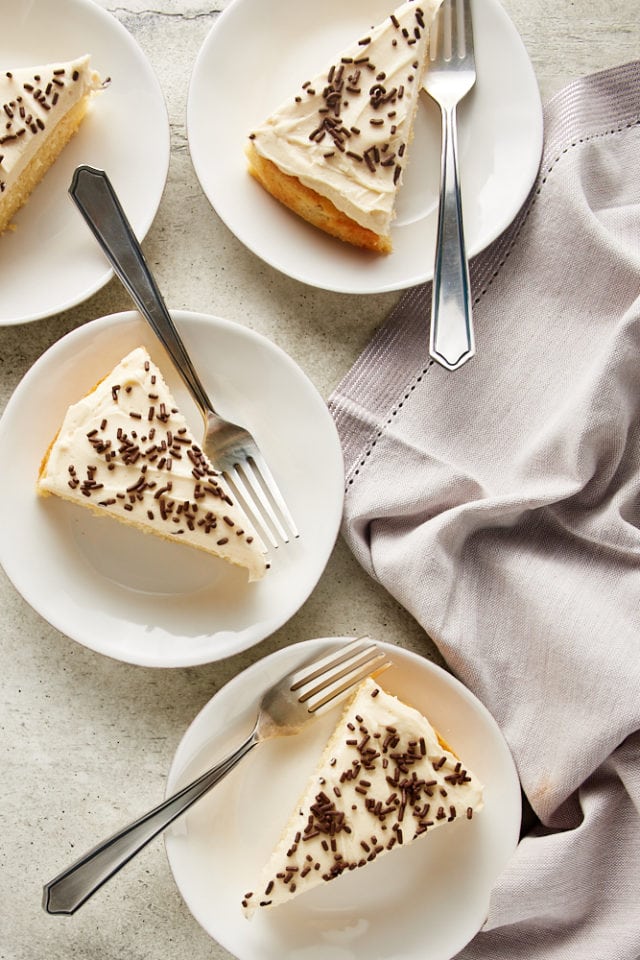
[500, 504]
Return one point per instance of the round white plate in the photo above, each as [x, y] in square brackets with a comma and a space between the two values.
[427, 901]
[51, 262]
[239, 79]
[139, 598]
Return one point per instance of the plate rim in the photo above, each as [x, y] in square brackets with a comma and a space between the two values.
[362, 284]
[269, 624]
[105, 17]
[294, 655]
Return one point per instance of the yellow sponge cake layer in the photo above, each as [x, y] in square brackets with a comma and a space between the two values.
[42, 108]
[312, 206]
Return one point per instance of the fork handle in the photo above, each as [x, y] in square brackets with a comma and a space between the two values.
[73, 887]
[97, 201]
[451, 339]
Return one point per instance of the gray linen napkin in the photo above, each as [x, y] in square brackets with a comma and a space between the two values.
[500, 504]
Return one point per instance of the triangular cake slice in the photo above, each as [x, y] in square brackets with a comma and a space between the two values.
[384, 780]
[126, 452]
[41, 107]
[335, 152]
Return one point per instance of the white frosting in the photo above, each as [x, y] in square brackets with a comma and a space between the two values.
[383, 781]
[125, 451]
[32, 101]
[371, 94]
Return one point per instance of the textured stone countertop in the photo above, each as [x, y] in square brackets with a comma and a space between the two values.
[86, 741]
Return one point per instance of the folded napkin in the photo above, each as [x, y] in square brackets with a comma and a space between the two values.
[500, 505]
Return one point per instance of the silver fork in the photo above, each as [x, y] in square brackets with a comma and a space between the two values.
[231, 448]
[450, 75]
[284, 710]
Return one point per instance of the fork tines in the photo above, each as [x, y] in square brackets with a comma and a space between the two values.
[339, 672]
[452, 31]
[256, 488]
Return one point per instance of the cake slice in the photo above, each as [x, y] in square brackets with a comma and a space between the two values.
[384, 780]
[335, 152]
[42, 107]
[125, 451]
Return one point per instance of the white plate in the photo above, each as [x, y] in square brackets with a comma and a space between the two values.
[427, 901]
[238, 80]
[51, 261]
[138, 598]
